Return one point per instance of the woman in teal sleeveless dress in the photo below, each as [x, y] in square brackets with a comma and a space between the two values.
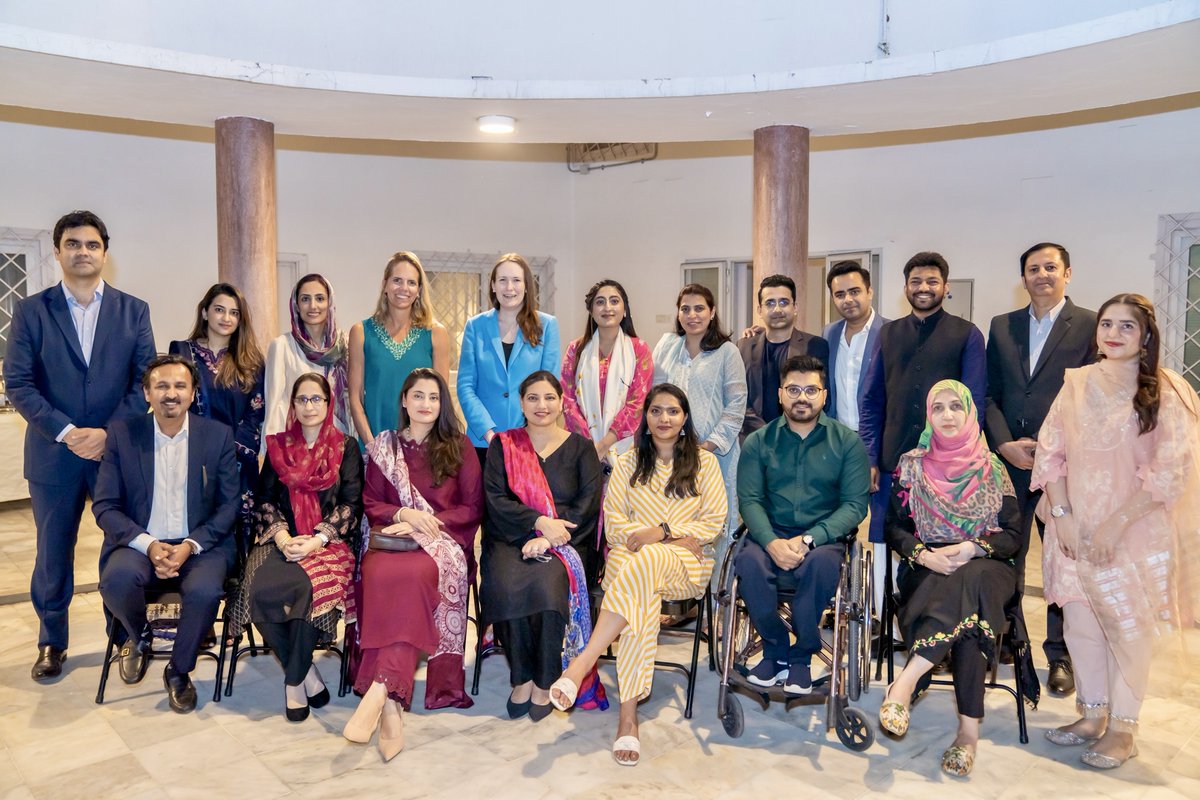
[399, 337]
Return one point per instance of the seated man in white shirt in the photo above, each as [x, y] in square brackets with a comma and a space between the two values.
[166, 498]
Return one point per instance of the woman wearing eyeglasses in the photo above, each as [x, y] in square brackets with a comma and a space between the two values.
[307, 511]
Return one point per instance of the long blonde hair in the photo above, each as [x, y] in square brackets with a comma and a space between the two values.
[421, 314]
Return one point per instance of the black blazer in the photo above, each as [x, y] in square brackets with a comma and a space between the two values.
[125, 484]
[1018, 402]
[50, 384]
[802, 344]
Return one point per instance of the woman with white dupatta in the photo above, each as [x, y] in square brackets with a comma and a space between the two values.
[606, 373]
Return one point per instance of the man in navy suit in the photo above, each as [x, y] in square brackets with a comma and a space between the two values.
[166, 498]
[765, 349]
[853, 346]
[76, 353]
[1028, 353]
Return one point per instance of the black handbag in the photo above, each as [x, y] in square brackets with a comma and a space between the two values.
[391, 544]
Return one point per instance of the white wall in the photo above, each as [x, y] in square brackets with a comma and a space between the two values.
[1097, 189]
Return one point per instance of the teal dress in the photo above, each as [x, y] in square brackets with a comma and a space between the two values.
[386, 364]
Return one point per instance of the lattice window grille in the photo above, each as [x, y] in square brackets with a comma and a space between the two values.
[1177, 293]
[13, 288]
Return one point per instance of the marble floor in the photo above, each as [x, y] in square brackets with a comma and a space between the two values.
[56, 743]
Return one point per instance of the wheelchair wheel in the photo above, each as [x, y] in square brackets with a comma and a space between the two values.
[731, 717]
[853, 730]
[854, 626]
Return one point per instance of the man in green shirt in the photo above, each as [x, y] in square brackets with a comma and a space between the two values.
[803, 487]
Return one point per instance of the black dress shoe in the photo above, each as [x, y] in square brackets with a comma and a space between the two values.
[1062, 678]
[538, 713]
[517, 710]
[294, 714]
[135, 659]
[320, 699]
[49, 663]
[181, 694]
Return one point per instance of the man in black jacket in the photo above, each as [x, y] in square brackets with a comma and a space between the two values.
[1028, 351]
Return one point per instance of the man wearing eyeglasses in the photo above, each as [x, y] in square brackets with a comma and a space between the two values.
[803, 483]
[764, 352]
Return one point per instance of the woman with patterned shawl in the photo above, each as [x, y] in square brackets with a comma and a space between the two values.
[1119, 459]
[543, 487]
[423, 483]
[307, 510]
[314, 345]
[954, 521]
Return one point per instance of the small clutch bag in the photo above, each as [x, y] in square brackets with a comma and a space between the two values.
[391, 544]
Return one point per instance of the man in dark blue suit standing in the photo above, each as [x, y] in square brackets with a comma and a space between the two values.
[76, 354]
[166, 498]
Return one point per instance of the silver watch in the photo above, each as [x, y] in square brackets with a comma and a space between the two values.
[1059, 511]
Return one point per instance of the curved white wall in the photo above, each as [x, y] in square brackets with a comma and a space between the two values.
[534, 40]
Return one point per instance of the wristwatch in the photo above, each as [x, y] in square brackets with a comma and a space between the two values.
[666, 529]
[1059, 511]
[809, 542]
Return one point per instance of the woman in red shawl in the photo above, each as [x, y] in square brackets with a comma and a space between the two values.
[954, 520]
[307, 511]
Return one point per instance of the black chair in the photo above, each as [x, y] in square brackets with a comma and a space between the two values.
[167, 596]
[1020, 648]
[254, 650]
[481, 651]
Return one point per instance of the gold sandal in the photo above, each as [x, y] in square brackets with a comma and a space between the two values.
[958, 761]
[893, 716]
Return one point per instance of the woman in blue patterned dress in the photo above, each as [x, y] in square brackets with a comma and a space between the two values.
[399, 337]
[223, 346]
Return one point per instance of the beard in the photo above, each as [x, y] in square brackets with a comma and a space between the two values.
[802, 412]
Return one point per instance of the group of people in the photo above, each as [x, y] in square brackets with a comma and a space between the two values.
[333, 477]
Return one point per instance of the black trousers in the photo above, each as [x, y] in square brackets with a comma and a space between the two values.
[57, 510]
[128, 574]
[968, 666]
[816, 579]
[293, 643]
[533, 646]
[1055, 646]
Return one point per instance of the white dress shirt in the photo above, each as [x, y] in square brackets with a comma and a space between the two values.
[168, 508]
[85, 318]
[1039, 331]
[847, 370]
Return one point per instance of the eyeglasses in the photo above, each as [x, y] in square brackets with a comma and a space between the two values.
[782, 304]
[810, 392]
[315, 400]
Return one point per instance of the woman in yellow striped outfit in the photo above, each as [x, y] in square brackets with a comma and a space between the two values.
[664, 507]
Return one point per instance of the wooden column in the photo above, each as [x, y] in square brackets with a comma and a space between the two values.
[246, 233]
[781, 208]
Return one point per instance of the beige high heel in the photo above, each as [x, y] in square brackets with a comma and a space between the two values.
[362, 724]
[391, 745]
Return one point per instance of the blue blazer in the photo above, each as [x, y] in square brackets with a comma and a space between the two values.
[834, 334]
[125, 485]
[51, 386]
[489, 389]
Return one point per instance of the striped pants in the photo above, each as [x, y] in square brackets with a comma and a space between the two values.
[642, 580]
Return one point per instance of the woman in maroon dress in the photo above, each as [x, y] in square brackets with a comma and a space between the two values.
[423, 483]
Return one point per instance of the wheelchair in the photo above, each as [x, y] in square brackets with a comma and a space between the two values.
[846, 650]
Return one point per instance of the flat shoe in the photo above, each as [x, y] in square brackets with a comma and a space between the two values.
[1065, 738]
[537, 712]
[320, 699]
[1101, 761]
[893, 716]
[958, 761]
[569, 691]
[630, 743]
[295, 714]
[517, 710]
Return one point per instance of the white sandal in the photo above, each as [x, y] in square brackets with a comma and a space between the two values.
[569, 692]
[630, 743]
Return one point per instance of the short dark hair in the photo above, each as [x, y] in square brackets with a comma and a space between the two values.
[167, 360]
[777, 280]
[1062, 251]
[927, 258]
[845, 268]
[803, 364]
[79, 219]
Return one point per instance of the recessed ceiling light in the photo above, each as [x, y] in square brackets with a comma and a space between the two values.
[497, 123]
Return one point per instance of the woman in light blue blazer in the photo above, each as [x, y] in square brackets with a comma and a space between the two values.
[500, 348]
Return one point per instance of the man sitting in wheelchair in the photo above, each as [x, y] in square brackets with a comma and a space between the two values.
[803, 485]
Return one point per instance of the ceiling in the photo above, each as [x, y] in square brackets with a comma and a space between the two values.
[1004, 80]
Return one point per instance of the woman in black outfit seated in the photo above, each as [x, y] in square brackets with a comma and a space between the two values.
[542, 486]
[307, 511]
[954, 520]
